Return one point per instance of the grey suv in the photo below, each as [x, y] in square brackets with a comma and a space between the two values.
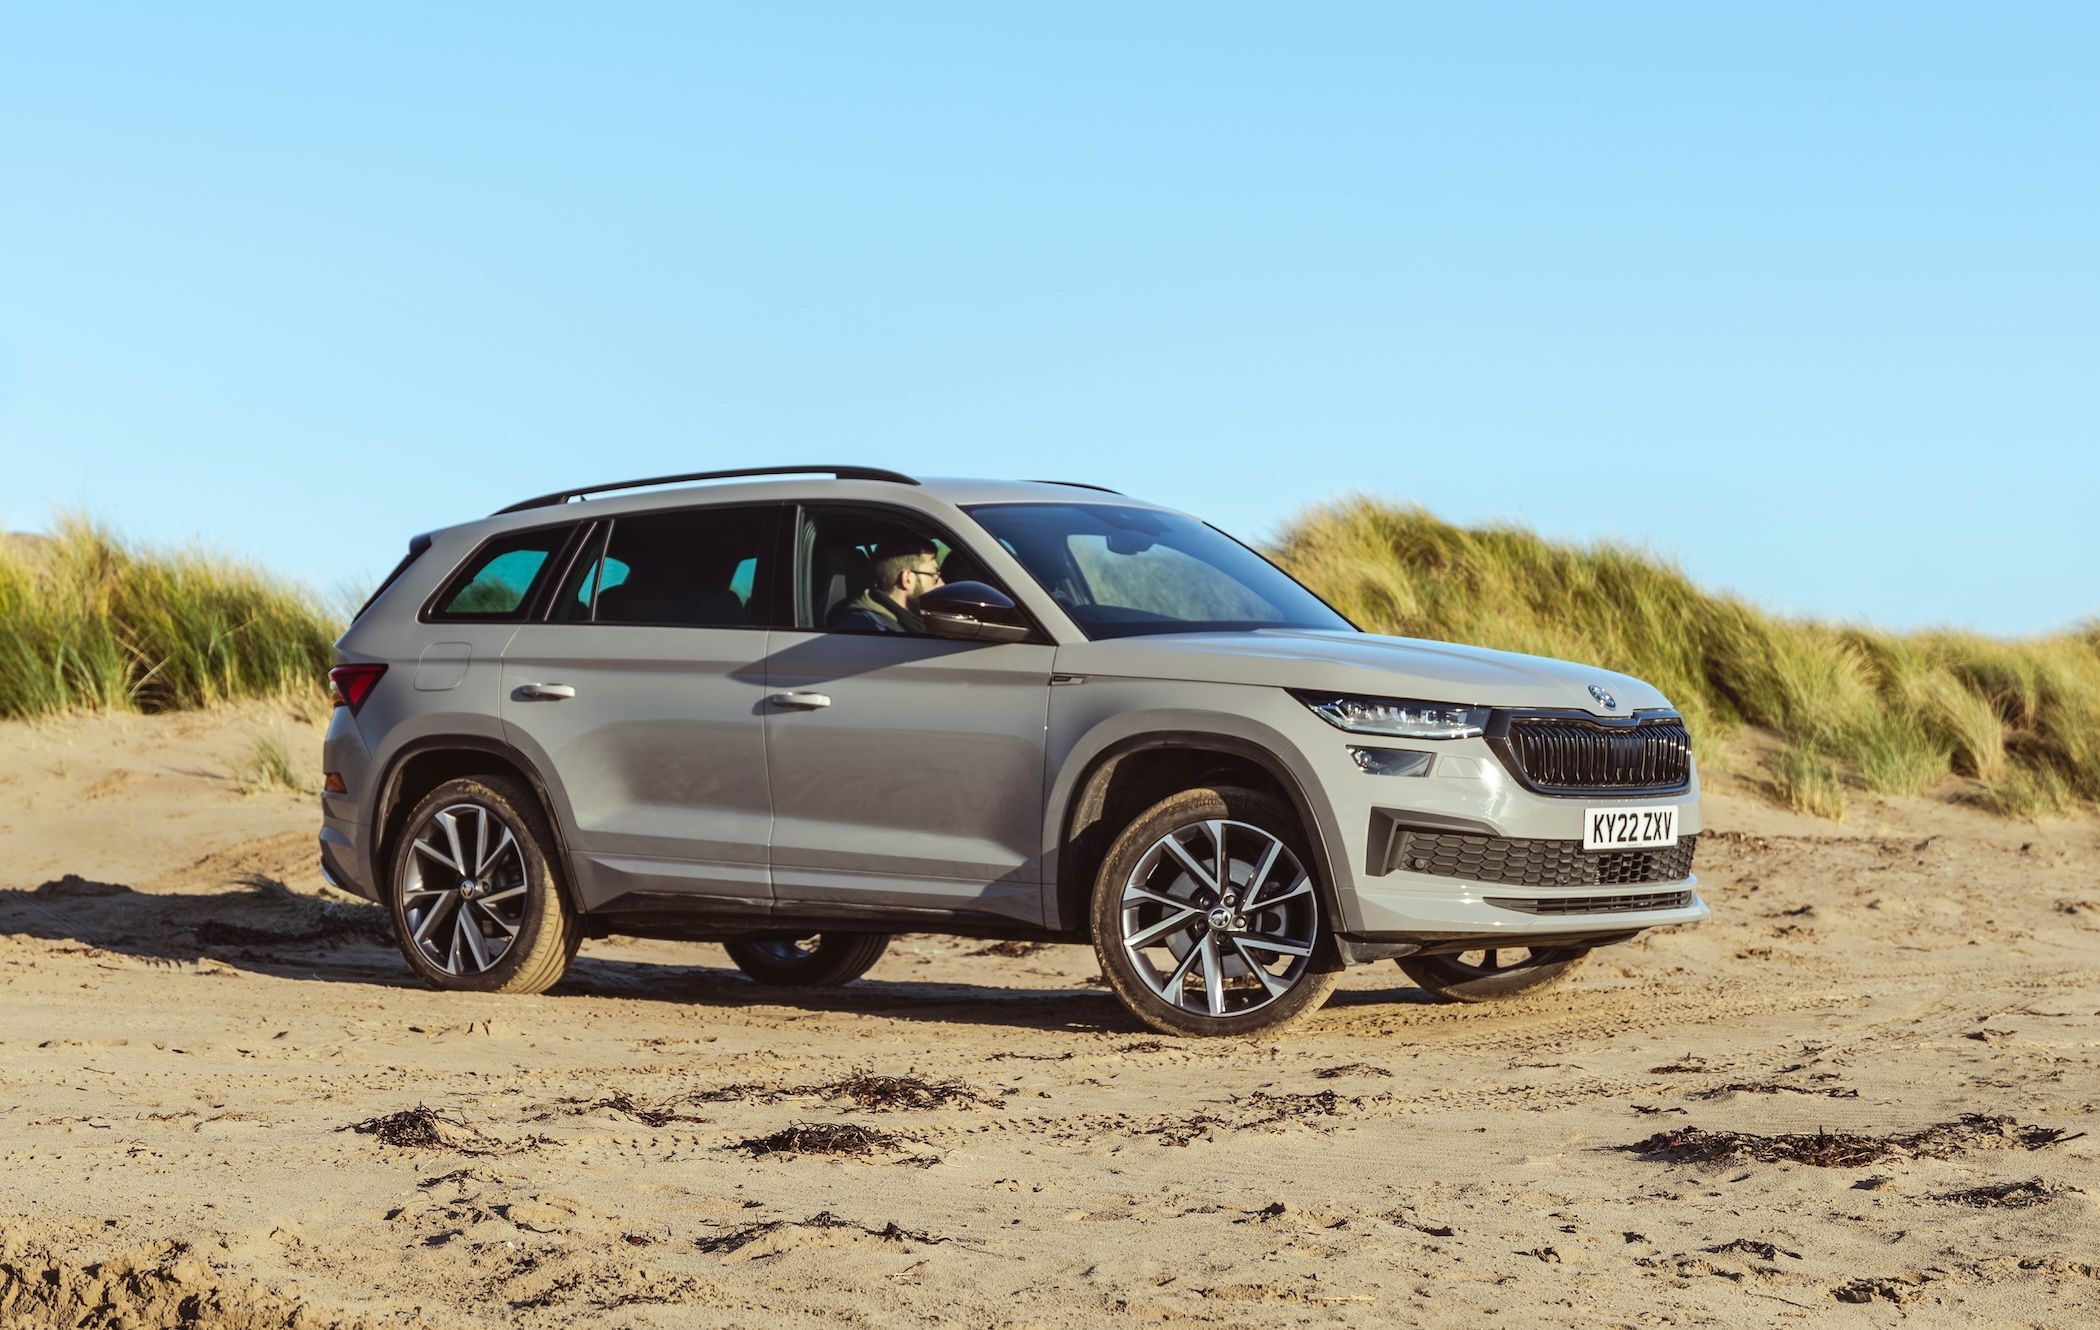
[796, 710]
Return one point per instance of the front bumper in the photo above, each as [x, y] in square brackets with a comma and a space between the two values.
[1527, 881]
[1461, 910]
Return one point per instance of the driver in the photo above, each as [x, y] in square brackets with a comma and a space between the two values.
[904, 571]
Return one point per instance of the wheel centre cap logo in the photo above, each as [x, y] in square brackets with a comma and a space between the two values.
[1221, 918]
[1610, 703]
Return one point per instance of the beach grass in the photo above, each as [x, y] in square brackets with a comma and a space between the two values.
[269, 766]
[88, 622]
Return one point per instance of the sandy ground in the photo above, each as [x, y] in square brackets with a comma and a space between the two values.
[191, 1025]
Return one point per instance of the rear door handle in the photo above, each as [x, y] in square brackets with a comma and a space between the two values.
[545, 692]
[802, 701]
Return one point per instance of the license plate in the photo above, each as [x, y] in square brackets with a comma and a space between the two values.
[1629, 828]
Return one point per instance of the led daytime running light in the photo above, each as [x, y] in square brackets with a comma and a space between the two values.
[1399, 718]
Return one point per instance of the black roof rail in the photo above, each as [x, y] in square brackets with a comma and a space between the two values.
[1079, 485]
[841, 472]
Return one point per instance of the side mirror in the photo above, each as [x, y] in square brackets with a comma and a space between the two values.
[972, 612]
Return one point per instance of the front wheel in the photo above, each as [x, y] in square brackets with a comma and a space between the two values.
[1500, 972]
[816, 960]
[1207, 919]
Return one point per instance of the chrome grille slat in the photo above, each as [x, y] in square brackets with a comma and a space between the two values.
[1571, 755]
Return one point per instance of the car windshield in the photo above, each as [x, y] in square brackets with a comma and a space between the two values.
[1123, 572]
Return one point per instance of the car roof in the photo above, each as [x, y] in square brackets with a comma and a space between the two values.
[958, 491]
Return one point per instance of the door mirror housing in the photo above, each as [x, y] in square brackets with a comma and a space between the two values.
[972, 612]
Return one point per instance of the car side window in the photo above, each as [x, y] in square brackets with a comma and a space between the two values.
[687, 568]
[845, 552]
[496, 582]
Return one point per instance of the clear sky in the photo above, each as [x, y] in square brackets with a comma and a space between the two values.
[1806, 296]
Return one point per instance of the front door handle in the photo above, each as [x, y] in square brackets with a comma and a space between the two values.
[802, 701]
[545, 692]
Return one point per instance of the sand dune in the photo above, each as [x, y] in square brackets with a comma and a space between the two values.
[222, 1099]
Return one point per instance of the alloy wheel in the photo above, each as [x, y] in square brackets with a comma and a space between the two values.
[463, 894]
[1219, 918]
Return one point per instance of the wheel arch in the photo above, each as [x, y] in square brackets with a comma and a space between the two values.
[423, 764]
[1134, 772]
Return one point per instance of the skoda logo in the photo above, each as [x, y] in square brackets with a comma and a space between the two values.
[1610, 703]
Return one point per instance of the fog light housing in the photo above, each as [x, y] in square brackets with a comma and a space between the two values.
[1390, 761]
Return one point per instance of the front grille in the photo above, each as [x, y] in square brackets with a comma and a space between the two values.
[1534, 863]
[1653, 900]
[1571, 755]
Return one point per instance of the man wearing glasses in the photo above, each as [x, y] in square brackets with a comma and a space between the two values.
[904, 571]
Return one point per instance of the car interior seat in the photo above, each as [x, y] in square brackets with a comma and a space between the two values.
[843, 573]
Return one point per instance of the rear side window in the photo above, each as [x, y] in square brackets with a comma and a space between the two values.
[691, 568]
[496, 583]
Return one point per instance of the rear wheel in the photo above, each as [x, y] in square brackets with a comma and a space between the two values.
[1488, 974]
[475, 902]
[815, 960]
[1206, 917]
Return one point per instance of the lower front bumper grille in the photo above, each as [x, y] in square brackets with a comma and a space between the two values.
[1533, 863]
[1648, 900]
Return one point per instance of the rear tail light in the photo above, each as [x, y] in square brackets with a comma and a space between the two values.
[350, 685]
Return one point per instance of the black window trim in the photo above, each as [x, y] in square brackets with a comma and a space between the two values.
[592, 539]
[798, 587]
[455, 580]
[769, 547]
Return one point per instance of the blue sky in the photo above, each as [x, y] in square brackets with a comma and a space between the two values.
[1804, 296]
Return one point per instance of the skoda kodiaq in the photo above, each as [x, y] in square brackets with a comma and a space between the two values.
[721, 712]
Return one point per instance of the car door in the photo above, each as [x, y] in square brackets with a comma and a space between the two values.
[907, 770]
[474, 614]
[639, 691]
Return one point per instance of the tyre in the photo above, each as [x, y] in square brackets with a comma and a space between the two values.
[1484, 976]
[1207, 919]
[475, 902]
[819, 960]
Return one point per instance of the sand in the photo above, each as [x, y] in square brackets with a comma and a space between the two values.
[224, 1102]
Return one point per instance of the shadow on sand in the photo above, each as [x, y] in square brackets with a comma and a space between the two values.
[264, 926]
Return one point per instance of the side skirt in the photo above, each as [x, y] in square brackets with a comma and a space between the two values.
[702, 919]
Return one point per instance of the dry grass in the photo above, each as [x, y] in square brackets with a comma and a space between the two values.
[1890, 713]
[1897, 754]
[2028, 795]
[87, 622]
[1807, 782]
[270, 766]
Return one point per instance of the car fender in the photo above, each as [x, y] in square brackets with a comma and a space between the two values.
[1088, 734]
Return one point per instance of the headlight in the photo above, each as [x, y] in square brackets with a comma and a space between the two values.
[1396, 717]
